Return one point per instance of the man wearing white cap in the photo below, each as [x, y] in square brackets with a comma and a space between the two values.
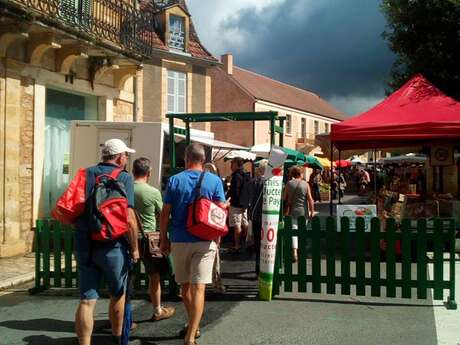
[108, 259]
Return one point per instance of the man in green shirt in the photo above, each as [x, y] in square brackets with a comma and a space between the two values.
[148, 204]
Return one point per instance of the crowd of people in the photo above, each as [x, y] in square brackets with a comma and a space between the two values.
[159, 221]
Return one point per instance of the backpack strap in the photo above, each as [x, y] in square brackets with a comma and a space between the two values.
[197, 192]
[197, 195]
[115, 173]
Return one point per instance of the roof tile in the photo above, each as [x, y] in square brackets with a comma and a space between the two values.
[270, 90]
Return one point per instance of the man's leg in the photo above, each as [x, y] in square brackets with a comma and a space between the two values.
[116, 314]
[155, 292]
[237, 235]
[84, 321]
[196, 293]
[187, 299]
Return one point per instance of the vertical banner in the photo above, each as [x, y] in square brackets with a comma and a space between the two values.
[270, 218]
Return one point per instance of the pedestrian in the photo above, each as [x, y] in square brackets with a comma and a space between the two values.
[109, 259]
[335, 185]
[238, 217]
[216, 273]
[193, 257]
[148, 204]
[342, 185]
[317, 179]
[364, 180]
[254, 195]
[299, 202]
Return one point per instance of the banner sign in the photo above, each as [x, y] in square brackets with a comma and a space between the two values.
[270, 218]
[354, 211]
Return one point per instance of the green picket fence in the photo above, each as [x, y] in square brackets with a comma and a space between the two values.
[357, 255]
[55, 265]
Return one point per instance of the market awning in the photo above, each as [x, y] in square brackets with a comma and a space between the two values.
[326, 163]
[207, 139]
[417, 112]
[227, 155]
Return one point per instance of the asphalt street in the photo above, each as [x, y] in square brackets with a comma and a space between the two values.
[234, 318]
[237, 317]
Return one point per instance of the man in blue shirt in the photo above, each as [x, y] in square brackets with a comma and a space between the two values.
[108, 259]
[193, 257]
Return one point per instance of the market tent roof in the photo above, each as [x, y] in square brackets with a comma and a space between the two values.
[417, 112]
[207, 139]
[227, 155]
[326, 163]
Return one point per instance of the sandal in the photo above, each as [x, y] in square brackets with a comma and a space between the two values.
[183, 332]
[166, 313]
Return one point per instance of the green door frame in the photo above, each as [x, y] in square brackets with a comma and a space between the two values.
[271, 116]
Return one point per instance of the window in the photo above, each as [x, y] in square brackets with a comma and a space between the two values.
[176, 32]
[316, 127]
[303, 128]
[326, 127]
[288, 124]
[177, 92]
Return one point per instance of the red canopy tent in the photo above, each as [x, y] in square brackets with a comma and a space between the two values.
[417, 112]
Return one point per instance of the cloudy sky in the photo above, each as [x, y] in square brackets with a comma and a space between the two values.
[331, 47]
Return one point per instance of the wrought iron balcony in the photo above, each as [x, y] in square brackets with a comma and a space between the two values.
[115, 24]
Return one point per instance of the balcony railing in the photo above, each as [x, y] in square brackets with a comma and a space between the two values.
[113, 23]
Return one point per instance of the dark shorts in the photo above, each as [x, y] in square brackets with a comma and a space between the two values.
[155, 265]
[110, 262]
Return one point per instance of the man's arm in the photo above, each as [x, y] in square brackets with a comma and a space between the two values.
[165, 245]
[311, 203]
[132, 234]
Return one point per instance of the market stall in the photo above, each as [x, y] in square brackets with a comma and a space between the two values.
[417, 115]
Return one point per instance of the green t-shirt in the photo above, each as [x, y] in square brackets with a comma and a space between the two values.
[148, 203]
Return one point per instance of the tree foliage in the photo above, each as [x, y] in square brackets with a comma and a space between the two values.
[425, 35]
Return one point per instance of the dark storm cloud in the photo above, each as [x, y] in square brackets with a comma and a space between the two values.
[332, 47]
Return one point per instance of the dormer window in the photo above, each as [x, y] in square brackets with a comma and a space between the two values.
[176, 32]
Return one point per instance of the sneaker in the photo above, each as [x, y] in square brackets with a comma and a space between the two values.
[166, 313]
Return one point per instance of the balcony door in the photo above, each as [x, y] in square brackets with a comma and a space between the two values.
[77, 12]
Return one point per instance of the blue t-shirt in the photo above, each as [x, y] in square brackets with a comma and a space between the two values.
[82, 239]
[180, 192]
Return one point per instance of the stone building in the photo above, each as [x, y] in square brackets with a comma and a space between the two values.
[59, 61]
[238, 90]
[64, 60]
[176, 79]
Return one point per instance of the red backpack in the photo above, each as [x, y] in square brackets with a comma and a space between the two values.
[108, 208]
[71, 203]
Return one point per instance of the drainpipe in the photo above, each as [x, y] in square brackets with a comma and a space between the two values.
[135, 105]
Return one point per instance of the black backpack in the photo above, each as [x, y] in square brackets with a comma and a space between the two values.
[108, 208]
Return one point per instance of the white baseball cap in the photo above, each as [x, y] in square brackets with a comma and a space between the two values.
[114, 147]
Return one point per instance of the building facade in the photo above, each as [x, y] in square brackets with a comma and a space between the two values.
[176, 79]
[238, 90]
[64, 60]
[59, 61]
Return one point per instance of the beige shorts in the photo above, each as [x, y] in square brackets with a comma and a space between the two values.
[238, 217]
[193, 262]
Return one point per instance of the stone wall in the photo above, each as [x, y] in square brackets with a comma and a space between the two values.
[122, 111]
[26, 160]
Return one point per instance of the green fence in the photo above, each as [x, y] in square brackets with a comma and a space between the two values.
[55, 265]
[327, 250]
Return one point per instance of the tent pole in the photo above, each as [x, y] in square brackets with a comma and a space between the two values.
[331, 175]
[375, 175]
[340, 172]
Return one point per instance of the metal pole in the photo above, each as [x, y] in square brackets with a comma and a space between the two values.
[281, 134]
[340, 172]
[332, 167]
[187, 132]
[375, 175]
[172, 146]
[272, 132]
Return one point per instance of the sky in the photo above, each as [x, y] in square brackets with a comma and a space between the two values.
[331, 47]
